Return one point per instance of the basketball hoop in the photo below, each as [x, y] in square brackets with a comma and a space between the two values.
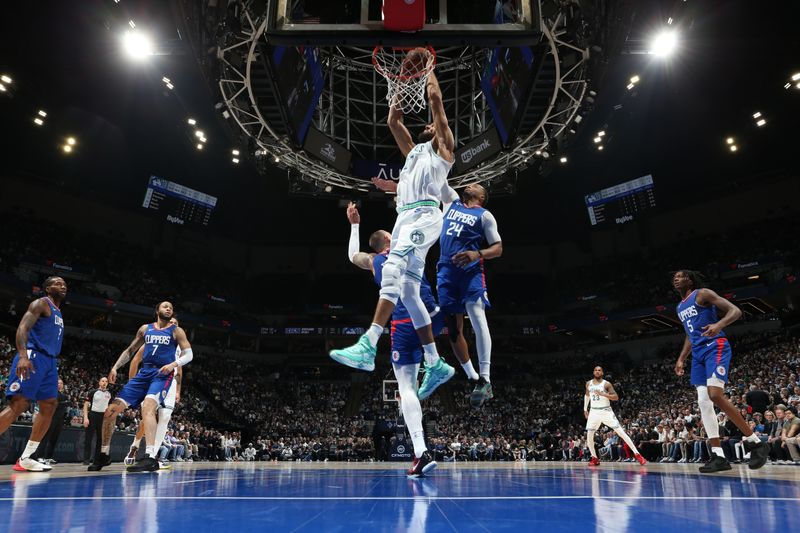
[406, 74]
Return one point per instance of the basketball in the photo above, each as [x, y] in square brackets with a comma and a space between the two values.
[415, 62]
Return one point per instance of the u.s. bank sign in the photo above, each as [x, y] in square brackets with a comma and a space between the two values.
[477, 151]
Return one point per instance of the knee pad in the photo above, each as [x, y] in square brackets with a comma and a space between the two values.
[390, 279]
[452, 327]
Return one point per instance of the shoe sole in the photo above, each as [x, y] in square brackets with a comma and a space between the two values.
[477, 399]
[430, 467]
[358, 365]
[715, 470]
[450, 374]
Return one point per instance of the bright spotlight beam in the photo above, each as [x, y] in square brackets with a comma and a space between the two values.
[137, 45]
[664, 43]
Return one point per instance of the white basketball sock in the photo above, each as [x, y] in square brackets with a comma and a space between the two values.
[717, 450]
[470, 370]
[409, 403]
[374, 333]
[105, 449]
[590, 442]
[483, 339]
[30, 449]
[431, 355]
[150, 451]
[164, 415]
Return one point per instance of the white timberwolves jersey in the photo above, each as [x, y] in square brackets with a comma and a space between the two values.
[424, 177]
[598, 402]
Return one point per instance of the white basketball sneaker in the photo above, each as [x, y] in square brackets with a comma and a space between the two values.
[31, 465]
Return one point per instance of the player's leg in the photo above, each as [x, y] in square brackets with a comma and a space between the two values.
[41, 423]
[717, 368]
[42, 386]
[17, 404]
[165, 414]
[406, 375]
[624, 436]
[455, 330]
[447, 293]
[590, 442]
[593, 423]
[134, 449]
[115, 408]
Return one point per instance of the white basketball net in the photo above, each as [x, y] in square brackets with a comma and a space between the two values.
[406, 85]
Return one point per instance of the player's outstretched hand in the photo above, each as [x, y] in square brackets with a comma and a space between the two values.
[166, 369]
[679, 368]
[711, 330]
[384, 185]
[352, 214]
[112, 376]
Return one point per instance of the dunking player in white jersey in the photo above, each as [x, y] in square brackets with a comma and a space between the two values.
[164, 410]
[421, 189]
[600, 393]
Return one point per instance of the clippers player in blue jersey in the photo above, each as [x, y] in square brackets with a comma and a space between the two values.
[150, 386]
[461, 283]
[711, 360]
[406, 347]
[34, 370]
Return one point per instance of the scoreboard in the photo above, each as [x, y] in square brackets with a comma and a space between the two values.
[621, 203]
[181, 205]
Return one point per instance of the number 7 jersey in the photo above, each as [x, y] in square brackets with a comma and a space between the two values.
[695, 317]
[159, 346]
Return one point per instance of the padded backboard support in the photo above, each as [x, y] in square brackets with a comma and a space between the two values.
[403, 15]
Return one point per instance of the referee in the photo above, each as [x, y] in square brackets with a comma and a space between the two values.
[94, 406]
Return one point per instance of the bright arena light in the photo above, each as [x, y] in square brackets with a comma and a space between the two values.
[71, 141]
[600, 147]
[38, 121]
[199, 134]
[757, 114]
[137, 45]
[235, 152]
[664, 43]
[2, 88]
[795, 76]
[199, 146]
[563, 159]
[733, 148]
[635, 79]
[42, 113]
[5, 79]
[192, 122]
[729, 140]
[597, 139]
[761, 122]
[67, 148]
[235, 160]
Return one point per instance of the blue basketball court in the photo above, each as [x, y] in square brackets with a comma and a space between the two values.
[372, 497]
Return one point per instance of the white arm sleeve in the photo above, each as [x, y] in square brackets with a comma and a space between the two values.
[186, 357]
[449, 195]
[490, 232]
[352, 246]
[585, 402]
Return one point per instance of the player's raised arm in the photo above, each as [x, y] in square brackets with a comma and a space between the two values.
[36, 309]
[125, 356]
[360, 259]
[444, 136]
[732, 313]
[399, 131]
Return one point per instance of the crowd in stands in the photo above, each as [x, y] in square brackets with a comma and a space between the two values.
[119, 270]
[288, 414]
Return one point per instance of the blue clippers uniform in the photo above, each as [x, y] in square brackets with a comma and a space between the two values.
[159, 350]
[406, 347]
[44, 345]
[711, 356]
[462, 231]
